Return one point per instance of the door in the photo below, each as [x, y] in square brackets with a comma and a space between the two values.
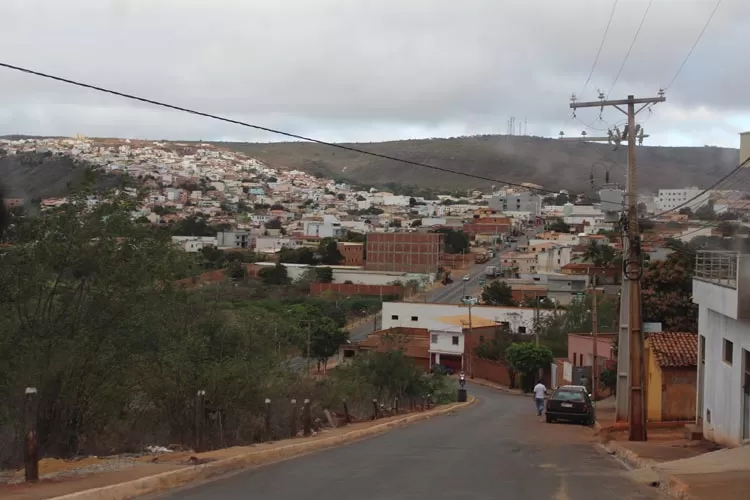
[745, 394]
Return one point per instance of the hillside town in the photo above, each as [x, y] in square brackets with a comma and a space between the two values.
[460, 277]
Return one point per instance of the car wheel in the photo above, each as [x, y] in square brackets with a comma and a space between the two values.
[549, 419]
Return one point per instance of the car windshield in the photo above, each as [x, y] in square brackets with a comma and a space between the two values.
[569, 396]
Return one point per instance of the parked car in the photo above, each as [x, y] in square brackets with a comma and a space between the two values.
[442, 370]
[467, 277]
[572, 403]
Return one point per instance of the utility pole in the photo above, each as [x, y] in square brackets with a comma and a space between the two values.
[595, 336]
[633, 263]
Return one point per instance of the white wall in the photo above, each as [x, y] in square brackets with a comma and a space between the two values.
[722, 389]
[428, 315]
[444, 342]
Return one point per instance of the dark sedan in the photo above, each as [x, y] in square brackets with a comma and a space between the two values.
[570, 403]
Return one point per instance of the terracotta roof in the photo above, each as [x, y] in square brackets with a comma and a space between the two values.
[675, 349]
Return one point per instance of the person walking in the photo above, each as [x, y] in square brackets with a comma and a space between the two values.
[540, 392]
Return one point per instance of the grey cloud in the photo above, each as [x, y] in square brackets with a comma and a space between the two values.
[355, 70]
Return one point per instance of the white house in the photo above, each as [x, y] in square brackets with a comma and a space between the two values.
[721, 288]
[329, 226]
[453, 317]
[667, 199]
[194, 244]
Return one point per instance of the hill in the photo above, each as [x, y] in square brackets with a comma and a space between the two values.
[549, 162]
[44, 175]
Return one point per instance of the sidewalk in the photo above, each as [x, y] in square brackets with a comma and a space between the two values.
[688, 470]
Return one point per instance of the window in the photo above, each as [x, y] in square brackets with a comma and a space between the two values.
[728, 351]
[575, 356]
[505, 325]
[455, 340]
[434, 339]
[481, 339]
[415, 318]
[394, 316]
[521, 329]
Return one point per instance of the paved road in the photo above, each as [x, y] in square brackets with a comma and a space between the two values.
[496, 449]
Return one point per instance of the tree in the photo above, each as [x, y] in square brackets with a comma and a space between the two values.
[600, 255]
[324, 274]
[559, 226]
[527, 358]
[416, 223]
[273, 224]
[276, 275]
[329, 252]
[236, 270]
[706, 212]
[667, 290]
[302, 255]
[195, 225]
[685, 211]
[455, 241]
[395, 223]
[498, 293]
[341, 196]
[412, 201]
[642, 208]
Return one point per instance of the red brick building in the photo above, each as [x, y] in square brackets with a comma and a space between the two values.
[404, 252]
[354, 253]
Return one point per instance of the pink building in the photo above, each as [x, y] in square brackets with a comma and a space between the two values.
[581, 348]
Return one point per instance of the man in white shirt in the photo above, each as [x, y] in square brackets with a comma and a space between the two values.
[540, 391]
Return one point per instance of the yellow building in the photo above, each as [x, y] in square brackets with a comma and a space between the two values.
[671, 376]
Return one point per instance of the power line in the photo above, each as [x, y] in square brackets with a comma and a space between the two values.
[596, 59]
[695, 44]
[630, 49]
[267, 129]
[601, 46]
[713, 186]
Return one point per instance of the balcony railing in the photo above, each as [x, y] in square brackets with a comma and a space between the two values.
[719, 267]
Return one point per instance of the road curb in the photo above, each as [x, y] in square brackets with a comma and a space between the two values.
[192, 474]
[491, 385]
[628, 456]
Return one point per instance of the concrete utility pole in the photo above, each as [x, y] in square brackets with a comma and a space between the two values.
[632, 266]
[595, 336]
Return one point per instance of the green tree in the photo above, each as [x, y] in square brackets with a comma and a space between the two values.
[527, 358]
[236, 270]
[667, 291]
[324, 274]
[455, 241]
[276, 275]
[301, 255]
[706, 212]
[498, 293]
[558, 225]
[273, 224]
[329, 252]
[194, 225]
[416, 223]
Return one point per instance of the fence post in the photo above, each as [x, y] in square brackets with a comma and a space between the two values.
[347, 417]
[374, 409]
[268, 419]
[200, 419]
[293, 419]
[395, 405]
[307, 418]
[31, 450]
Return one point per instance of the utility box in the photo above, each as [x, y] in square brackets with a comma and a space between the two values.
[462, 395]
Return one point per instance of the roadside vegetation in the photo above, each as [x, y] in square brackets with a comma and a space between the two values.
[94, 313]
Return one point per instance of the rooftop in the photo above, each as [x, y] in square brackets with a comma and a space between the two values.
[675, 349]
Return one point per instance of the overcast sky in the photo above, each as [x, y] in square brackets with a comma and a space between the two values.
[370, 70]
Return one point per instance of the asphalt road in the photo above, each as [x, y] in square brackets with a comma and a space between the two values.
[496, 449]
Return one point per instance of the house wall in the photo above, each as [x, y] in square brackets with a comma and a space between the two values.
[491, 370]
[653, 387]
[409, 252]
[678, 394]
[442, 342]
[356, 289]
[584, 345]
[428, 314]
[722, 388]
